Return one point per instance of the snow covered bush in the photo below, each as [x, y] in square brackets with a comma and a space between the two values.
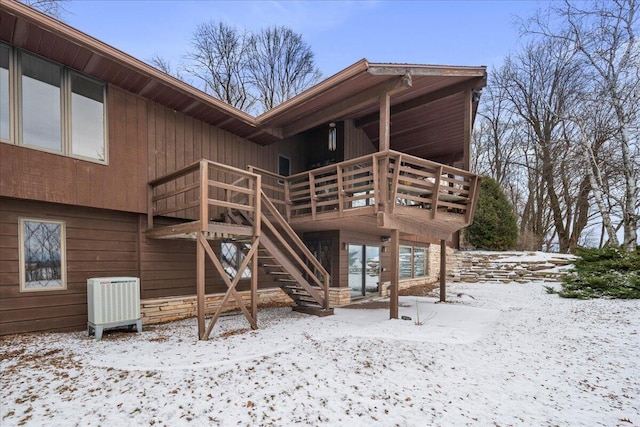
[603, 273]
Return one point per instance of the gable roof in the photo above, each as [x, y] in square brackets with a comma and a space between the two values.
[424, 115]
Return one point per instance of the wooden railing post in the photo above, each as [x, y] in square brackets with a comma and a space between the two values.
[204, 195]
[312, 194]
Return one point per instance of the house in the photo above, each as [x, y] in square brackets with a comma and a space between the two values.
[109, 167]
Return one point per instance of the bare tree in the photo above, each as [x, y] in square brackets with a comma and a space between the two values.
[605, 36]
[165, 66]
[53, 8]
[280, 65]
[541, 84]
[496, 142]
[218, 59]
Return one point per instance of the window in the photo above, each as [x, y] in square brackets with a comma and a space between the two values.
[53, 108]
[284, 165]
[87, 117]
[42, 255]
[41, 102]
[419, 262]
[405, 268]
[412, 262]
[5, 118]
[231, 256]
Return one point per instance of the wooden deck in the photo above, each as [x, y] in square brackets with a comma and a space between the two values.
[378, 193]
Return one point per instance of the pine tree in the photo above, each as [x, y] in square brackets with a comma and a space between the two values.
[494, 226]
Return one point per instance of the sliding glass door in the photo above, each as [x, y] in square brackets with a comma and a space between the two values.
[364, 269]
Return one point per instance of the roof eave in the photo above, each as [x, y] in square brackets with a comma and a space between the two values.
[100, 48]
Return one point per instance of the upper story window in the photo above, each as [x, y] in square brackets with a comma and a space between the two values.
[51, 107]
[41, 103]
[5, 120]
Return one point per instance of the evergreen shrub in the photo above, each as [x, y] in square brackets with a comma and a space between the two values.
[603, 273]
[494, 226]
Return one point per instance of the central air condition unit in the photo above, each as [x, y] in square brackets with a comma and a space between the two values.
[113, 302]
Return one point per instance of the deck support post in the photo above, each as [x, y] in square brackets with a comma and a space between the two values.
[443, 271]
[200, 268]
[395, 261]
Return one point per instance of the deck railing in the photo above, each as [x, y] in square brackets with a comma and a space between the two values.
[388, 181]
[221, 188]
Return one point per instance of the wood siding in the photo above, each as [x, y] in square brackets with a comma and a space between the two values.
[357, 142]
[146, 140]
[100, 243]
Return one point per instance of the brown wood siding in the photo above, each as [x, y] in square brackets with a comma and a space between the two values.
[146, 140]
[26, 173]
[99, 243]
[357, 143]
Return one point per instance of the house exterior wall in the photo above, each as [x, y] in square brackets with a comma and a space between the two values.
[99, 243]
[145, 141]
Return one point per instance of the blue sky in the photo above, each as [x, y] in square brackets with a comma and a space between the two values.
[339, 32]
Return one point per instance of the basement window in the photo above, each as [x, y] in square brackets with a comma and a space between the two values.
[42, 255]
[231, 256]
[412, 262]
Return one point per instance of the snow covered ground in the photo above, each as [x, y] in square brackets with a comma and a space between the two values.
[498, 354]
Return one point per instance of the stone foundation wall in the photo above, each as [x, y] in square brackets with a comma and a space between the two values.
[162, 310]
[339, 297]
[385, 288]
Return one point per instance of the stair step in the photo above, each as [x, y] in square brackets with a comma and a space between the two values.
[316, 311]
[287, 280]
[272, 265]
[305, 298]
[279, 273]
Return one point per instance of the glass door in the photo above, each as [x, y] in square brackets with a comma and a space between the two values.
[364, 270]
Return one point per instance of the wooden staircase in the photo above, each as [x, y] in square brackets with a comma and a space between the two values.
[284, 256]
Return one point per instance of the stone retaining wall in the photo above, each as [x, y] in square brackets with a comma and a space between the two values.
[506, 267]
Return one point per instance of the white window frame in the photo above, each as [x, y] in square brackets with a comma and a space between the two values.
[22, 257]
[15, 108]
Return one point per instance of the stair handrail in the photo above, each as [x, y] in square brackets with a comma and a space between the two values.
[266, 203]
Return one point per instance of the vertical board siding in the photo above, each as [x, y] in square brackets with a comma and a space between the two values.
[356, 142]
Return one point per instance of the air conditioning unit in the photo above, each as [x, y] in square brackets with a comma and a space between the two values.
[113, 302]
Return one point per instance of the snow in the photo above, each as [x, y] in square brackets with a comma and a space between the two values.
[496, 354]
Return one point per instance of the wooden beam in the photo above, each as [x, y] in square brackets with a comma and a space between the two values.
[415, 227]
[423, 100]
[345, 106]
[443, 271]
[425, 70]
[383, 136]
[395, 274]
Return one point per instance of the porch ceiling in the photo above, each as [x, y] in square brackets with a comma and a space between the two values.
[427, 118]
